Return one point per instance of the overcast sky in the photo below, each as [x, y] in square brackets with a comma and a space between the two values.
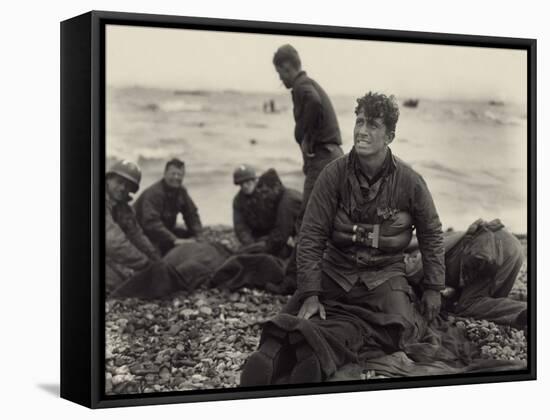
[189, 59]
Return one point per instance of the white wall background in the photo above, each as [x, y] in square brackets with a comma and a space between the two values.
[29, 349]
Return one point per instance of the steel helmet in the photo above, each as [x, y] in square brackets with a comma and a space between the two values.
[243, 173]
[127, 170]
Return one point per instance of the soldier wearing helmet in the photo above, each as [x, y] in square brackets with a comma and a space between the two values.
[264, 211]
[245, 177]
[127, 249]
[158, 206]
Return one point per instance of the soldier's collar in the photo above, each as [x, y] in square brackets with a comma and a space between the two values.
[299, 77]
[387, 168]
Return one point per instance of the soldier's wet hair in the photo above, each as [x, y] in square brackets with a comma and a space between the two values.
[176, 163]
[378, 105]
[287, 54]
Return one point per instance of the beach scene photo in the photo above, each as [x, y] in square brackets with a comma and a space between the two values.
[212, 102]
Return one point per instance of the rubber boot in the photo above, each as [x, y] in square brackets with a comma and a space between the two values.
[259, 369]
[308, 368]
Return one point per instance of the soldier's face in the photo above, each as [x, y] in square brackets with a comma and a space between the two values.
[118, 188]
[174, 176]
[287, 74]
[370, 135]
[249, 186]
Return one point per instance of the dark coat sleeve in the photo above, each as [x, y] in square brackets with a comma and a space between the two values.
[135, 234]
[151, 218]
[316, 229]
[288, 209]
[311, 111]
[242, 230]
[190, 213]
[119, 248]
[430, 236]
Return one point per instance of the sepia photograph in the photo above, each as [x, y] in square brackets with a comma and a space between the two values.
[284, 209]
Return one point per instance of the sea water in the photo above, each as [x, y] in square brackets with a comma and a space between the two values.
[473, 155]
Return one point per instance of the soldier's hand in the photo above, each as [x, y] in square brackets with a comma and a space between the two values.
[431, 304]
[310, 307]
[448, 292]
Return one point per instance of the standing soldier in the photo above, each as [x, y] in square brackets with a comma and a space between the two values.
[316, 130]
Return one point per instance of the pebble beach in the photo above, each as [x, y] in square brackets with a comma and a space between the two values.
[201, 340]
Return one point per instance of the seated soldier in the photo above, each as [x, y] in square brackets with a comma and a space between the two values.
[481, 266]
[265, 212]
[158, 206]
[128, 252]
[352, 290]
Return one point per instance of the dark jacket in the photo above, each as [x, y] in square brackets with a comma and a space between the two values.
[157, 209]
[125, 243]
[338, 188]
[313, 112]
[267, 214]
[480, 253]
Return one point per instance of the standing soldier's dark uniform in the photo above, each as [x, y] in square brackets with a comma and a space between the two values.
[316, 130]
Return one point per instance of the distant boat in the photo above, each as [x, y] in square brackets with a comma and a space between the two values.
[411, 103]
[191, 92]
[496, 103]
[151, 107]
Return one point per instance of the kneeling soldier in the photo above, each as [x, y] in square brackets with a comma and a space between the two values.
[352, 290]
[265, 212]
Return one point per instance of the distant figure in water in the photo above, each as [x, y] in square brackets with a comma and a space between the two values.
[269, 106]
[481, 266]
[158, 206]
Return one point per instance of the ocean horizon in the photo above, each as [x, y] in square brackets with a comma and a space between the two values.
[472, 153]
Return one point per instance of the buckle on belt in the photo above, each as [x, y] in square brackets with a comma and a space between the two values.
[375, 236]
[361, 235]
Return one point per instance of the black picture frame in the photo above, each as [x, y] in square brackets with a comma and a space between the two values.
[82, 205]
